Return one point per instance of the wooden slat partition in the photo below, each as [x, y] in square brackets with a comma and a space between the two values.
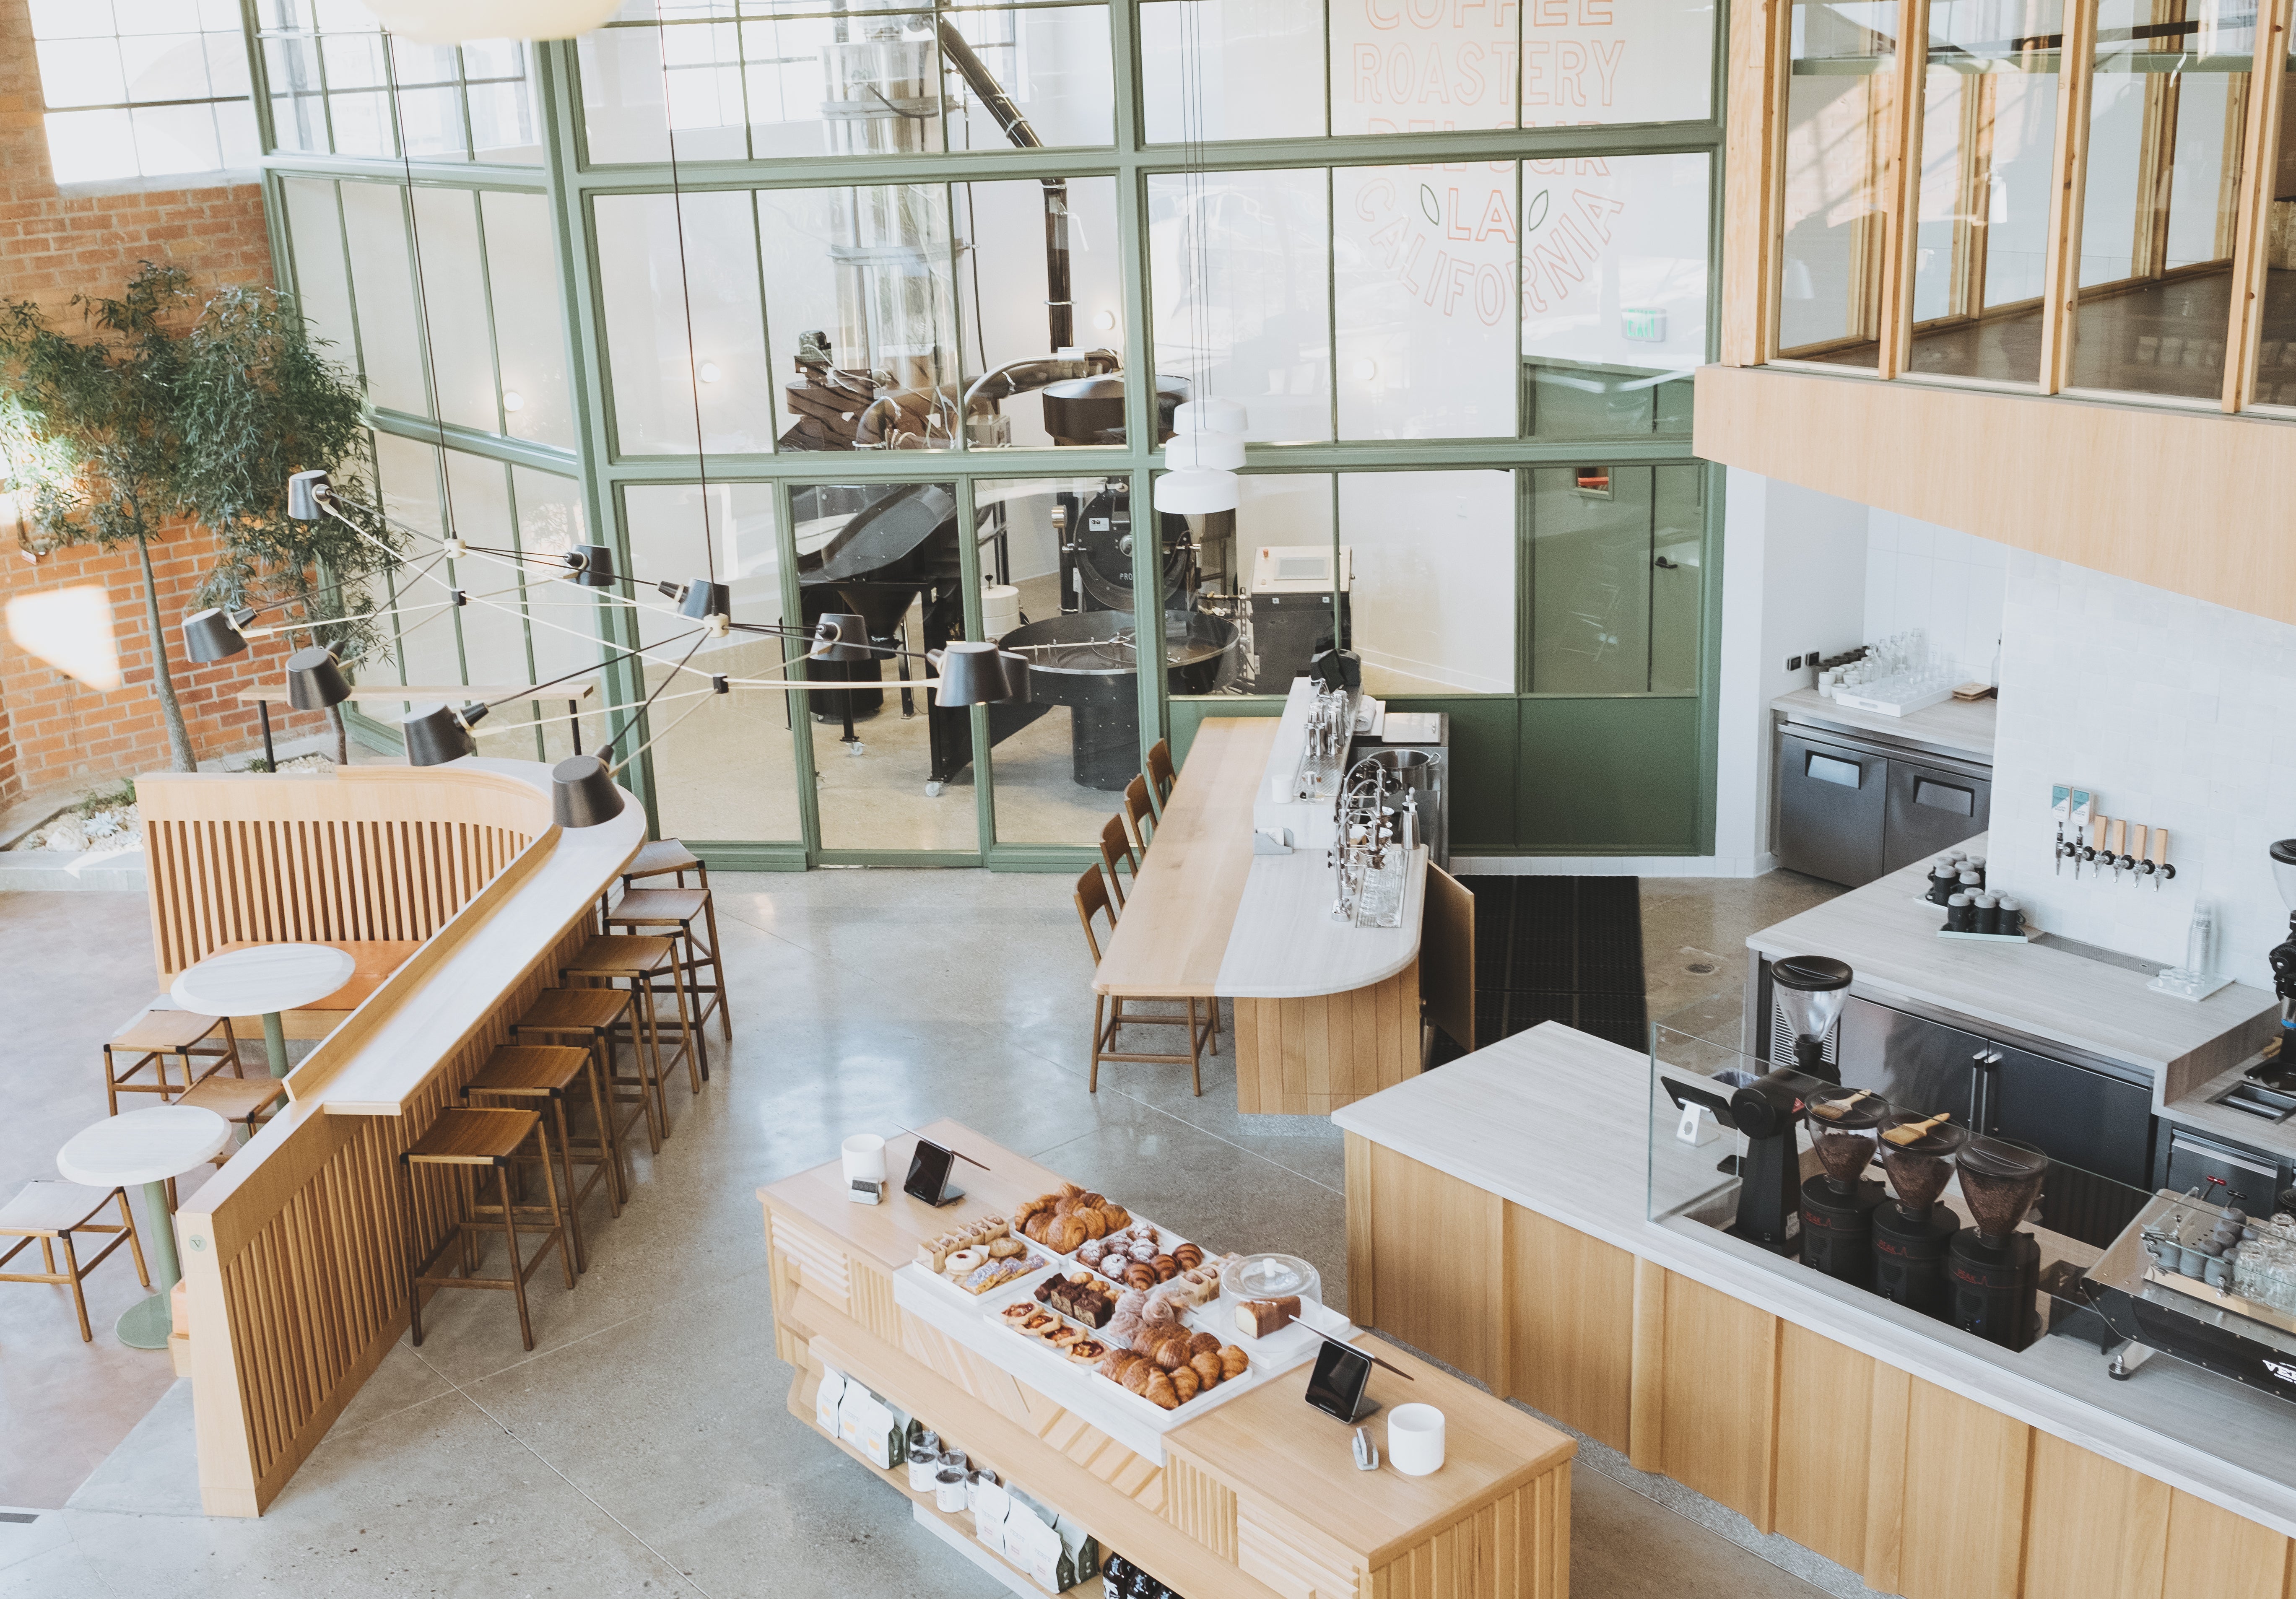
[296, 1253]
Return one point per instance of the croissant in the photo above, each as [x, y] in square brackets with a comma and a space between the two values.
[1186, 1383]
[1137, 1375]
[1188, 1256]
[1071, 1190]
[1136, 1275]
[1204, 1344]
[1065, 1234]
[1118, 1363]
[1027, 1210]
[1096, 1225]
[1233, 1362]
[1166, 1268]
[1034, 1227]
[1165, 1389]
[1207, 1368]
[1090, 1200]
[1171, 1354]
[1119, 1217]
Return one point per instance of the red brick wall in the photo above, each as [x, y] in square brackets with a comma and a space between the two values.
[53, 244]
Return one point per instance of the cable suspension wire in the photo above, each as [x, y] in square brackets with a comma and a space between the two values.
[685, 294]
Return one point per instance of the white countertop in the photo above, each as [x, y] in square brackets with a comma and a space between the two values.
[1963, 727]
[1889, 936]
[1557, 1121]
[1286, 944]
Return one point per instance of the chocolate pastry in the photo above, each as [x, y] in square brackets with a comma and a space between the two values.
[1233, 1362]
[1166, 1268]
[1186, 1384]
[1207, 1368]
[1188, 1255]
[1257, 1318]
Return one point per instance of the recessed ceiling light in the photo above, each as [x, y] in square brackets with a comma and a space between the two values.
[710, 373]
[512, 400]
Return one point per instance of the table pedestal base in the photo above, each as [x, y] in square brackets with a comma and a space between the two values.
[146, 1323]
[275, 1043]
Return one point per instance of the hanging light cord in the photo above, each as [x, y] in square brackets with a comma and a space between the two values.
[685, 295]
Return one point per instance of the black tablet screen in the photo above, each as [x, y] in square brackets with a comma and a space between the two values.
[927, 1172]
[1336, 1385]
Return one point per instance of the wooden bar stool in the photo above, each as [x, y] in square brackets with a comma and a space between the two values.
[658, 909]
[1115, 849]
[248, 1100]
[664, 857]
[463, 1142]
[151, 1038]
[1139, 812]
[52, 1212]
[1108, 1013]
[589, 1016]
[1159, 774]
[542, 1076]
[640, 959]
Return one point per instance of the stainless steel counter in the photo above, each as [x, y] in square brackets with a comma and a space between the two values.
[1957, 727]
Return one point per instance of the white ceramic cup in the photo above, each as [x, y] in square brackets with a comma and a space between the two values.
[865, 1158]
[1414, 1440]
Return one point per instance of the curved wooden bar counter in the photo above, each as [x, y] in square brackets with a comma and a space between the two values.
[296, 1253]
[1256, 1499]
[1326, 1013]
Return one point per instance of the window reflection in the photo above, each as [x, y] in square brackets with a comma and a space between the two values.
[1837, 98]
[2276, 363]
[1617, 588]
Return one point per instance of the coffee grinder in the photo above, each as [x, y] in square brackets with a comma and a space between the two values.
[1995, 1268]
[1837, 1204]
[1912, 1233]
[1767, 1111]
[1810, 990]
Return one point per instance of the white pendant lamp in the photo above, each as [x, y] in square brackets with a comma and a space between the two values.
[1196, 492]
[1210, 416]
[1210, 452]
[458, 22]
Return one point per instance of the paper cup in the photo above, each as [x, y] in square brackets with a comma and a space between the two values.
[865, 1158]
[949, 1490]
[1414, 1440]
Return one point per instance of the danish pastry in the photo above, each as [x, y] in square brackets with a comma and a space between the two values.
[1017, 1312]
[1143, 1250]
[1233, 1362]
[1186, 1383]
[1084, 1352]
[1207, 1368]
[1094, 1250]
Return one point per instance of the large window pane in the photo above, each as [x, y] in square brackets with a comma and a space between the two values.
[1005, 279]
[1988, 131]
[899, 774]
[2276, 368]
[2166, 111]
[1830, 281]
[857, 291]
[1239, 269]
[1432, 555]
[382, 277]
[1616, 61]
[728, 771]
[529, 318]
[323, 284]
[1614, 267]
[1423, 265]
[1616, 580]
[1279, 564]
[650, 281]
[427, 648]
[1203, 69]
[455, 306]
[1052, 61]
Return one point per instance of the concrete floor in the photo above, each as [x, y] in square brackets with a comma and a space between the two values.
[644, 1444]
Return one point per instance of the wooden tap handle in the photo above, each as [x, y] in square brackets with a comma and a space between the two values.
[2158, 854]
[2102, 823]
[2120, 837]
[2136, 844]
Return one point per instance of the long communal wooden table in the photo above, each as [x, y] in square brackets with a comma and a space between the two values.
[1326, 1013]
[1257, 1499]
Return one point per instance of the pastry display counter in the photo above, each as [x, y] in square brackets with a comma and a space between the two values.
[1326, 1012]
[1255, 1495]
[1931, 1462]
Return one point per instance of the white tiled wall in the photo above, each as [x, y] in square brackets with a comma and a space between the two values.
[1946, 582]
[2175, 713]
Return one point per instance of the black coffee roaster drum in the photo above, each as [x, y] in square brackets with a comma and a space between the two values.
[1837, 1204]
[1913, 1231]
[1995, 1269]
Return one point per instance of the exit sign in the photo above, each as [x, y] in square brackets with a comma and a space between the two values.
[1646, 325]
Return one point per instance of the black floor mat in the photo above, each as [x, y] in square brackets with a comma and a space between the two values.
[1565, 949]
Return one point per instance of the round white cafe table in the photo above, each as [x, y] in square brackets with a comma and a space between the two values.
[264, 979]
[147, 1147]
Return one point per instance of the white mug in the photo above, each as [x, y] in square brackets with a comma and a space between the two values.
[865, 1158]
[1414, 1440]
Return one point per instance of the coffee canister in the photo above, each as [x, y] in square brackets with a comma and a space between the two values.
[1945, 879]
[1989, 914]
[1960, 914]
[949, 1490]
[925, 1470]
[2013, 914]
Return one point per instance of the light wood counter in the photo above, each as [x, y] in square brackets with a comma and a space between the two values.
[1889, 936]
[1257, 1498]
[1326, 1012]
[1812, 1407]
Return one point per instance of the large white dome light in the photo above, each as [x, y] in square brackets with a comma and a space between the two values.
[457, 22]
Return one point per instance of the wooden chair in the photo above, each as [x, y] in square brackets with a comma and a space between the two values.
[1108, 1012]
[1139, 812]
[1159, 774]
[541, 1078]
[52, 1212]
[464, 1142]
[151, 1038]
[1115, 849]
[591, 1018]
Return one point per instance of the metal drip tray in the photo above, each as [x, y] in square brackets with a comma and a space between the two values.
[2253, 1099]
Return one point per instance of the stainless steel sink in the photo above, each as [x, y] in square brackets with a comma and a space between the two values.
[2253, 1099]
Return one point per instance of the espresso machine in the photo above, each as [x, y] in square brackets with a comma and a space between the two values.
[1837, 1204]
[1913, 1231]
[1995, 1268]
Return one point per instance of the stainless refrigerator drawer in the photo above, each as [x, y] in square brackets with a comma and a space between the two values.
[1930, 809]
[2247, 1178]
[1832, 802]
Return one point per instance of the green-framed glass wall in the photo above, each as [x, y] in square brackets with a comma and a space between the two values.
[763, 291]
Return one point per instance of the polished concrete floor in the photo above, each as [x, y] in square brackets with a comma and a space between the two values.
[645, 1446]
